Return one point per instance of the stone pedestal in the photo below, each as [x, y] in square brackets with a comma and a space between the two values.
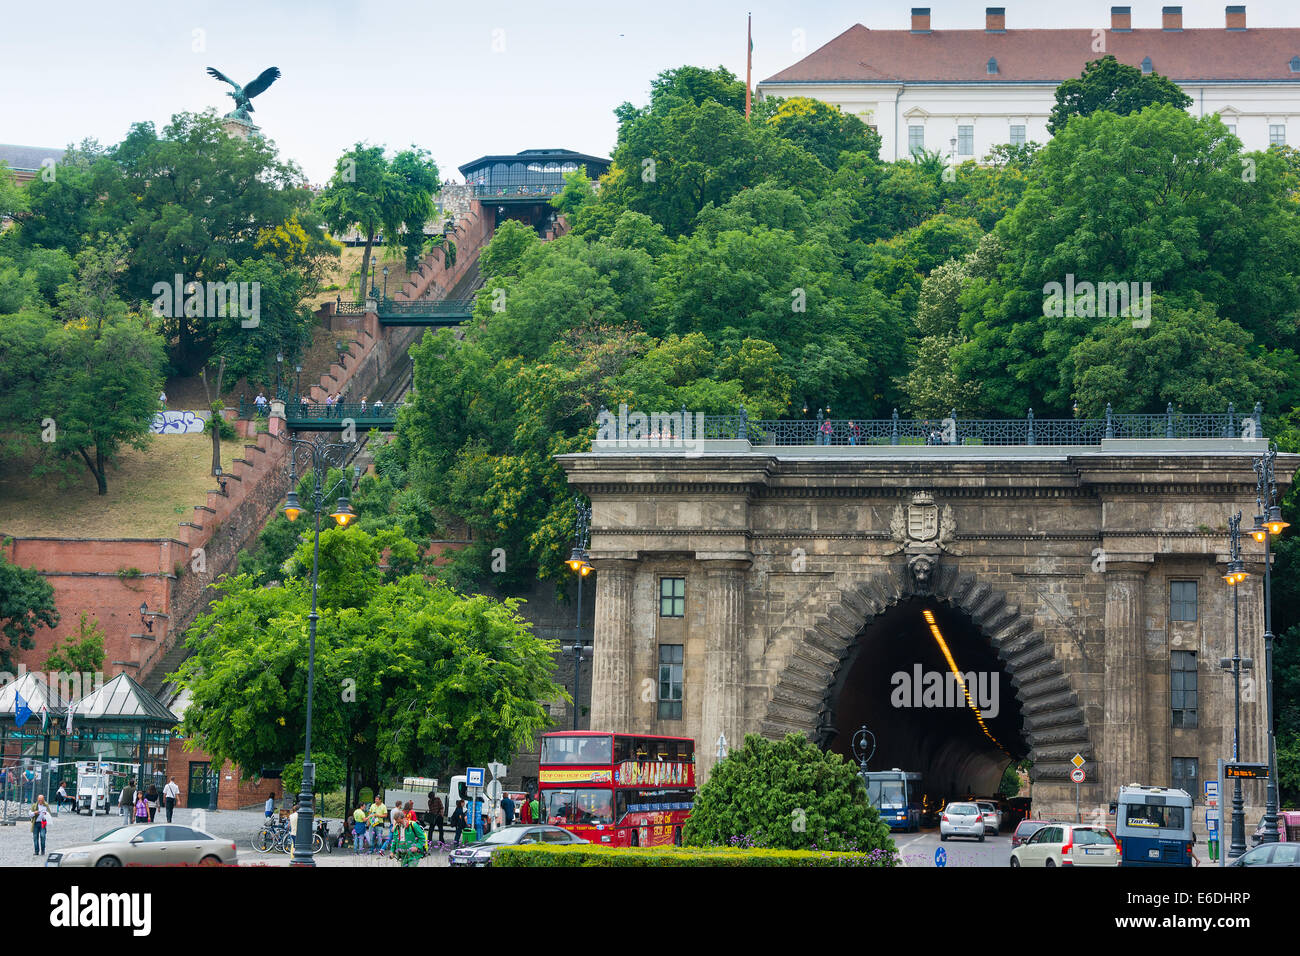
[239, 128]
[1124, 737]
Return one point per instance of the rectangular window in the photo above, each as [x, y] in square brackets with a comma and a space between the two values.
[1185, 772]
[1182, 600]
[670, 681]
[965, 140]
[1232, 128]
[915, 139]
[1277, 135]
[1017, 136]
[1182, 688]
[672, 597]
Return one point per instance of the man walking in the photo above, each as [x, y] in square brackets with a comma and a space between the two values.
[125, 801]
[458, 820]
[170, 793]
[435, 815]
[507, 810]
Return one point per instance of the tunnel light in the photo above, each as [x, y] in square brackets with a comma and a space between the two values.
[961, 681]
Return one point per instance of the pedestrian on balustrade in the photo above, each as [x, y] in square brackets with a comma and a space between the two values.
[260, 401]
[170, 793]
[826, 431]
[855, 433]
[363, 404]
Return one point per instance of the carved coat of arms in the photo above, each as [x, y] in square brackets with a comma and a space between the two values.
[923, 523]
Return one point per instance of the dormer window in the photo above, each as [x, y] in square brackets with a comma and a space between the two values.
[1146, 64]
[992, 66]
[1295, 64]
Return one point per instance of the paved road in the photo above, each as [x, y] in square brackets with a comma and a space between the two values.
[69, 829]
[917, 849]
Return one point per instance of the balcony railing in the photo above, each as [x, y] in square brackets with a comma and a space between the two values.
[520, 191]
[956, 431]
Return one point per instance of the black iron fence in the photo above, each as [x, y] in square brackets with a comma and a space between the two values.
[952, 430]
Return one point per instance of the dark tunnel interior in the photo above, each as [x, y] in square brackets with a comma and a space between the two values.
[898, 682]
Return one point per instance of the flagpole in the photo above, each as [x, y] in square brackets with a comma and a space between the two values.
[749, 62]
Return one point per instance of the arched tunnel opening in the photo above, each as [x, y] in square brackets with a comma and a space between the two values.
[899, 681]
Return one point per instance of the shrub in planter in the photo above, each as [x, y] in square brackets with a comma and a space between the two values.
[540, 855]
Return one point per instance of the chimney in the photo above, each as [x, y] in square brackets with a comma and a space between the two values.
[1121, 19]
[995, 19]
[920, 19]
[1236, 18]
[1171, 18]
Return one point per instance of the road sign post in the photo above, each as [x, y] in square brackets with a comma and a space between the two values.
[1078, 776]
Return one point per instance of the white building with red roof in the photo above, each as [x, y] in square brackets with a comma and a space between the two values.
[962, 92]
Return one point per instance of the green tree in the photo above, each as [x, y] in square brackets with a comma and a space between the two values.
[822, 129]
[375, 194]
[26, 604]
[407, 671]
[13, 201]
[80, 653]
[786, 794]
[1107, 84]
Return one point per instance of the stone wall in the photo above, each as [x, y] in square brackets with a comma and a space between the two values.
[1062, 558]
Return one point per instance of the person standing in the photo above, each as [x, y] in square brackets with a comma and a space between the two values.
[170, 793]
[359, 829]
[40, 821]
[141, 808]
[536, 806]
[458, 820]
[151, 798]
[508, 810]
[435, 816]
[270, 804]
[125, 801]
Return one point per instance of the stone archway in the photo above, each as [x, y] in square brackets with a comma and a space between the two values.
[1055, 725]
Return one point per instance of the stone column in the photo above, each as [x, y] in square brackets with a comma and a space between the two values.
[1124, 737]
[611, 665]
[724, 664]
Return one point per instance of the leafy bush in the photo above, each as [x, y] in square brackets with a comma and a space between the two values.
[786, 794]
[579, 855]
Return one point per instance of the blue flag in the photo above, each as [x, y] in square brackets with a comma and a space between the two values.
[21, 711]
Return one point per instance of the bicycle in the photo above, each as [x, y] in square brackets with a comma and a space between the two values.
[287, 842]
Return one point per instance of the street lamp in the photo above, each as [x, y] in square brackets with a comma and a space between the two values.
[578, 565]
[279, 363]
[1234, 575]
[1268, 525]
[385, 283]
[864, 747]
[320, 452]
[297, 382]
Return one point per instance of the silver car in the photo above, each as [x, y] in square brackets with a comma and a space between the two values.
[961, 819]
[480, 854]
[992, 815]
[148, 844]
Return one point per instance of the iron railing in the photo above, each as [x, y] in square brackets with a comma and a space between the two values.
[410, 307]
[957, 431]
[519, 191]
[368, 413]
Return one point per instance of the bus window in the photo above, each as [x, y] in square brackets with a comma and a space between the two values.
[1154, 817]
[622, 748]
[576, 750]
[579, 807]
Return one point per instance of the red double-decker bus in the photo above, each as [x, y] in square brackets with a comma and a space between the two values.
[618, 789]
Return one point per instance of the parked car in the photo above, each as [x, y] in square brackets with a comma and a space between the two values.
[992, 815]
[1024, 830]
[480, 854]
[148, 844]
[961, 819]
[1270, 854]
[1067, 844]
[1288, 828]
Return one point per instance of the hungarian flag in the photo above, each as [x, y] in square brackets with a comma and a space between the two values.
[21, 710]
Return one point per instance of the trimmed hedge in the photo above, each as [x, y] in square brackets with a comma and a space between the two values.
[579, 855]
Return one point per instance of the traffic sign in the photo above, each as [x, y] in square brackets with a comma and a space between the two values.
[1078, 760]
[497, 769]
[1212, 820]
[493, 790]
[1077, 775]
[474, 776]
[940, 857]
[1211, 789]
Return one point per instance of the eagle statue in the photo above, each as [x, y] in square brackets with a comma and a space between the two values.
[243, 94]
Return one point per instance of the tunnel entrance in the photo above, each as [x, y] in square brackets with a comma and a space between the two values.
[900, 681]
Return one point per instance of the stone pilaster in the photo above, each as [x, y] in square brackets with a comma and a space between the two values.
[1124, 738]
[724, 667]
[612, 651]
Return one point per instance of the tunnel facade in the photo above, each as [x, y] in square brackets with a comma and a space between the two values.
[786, 590]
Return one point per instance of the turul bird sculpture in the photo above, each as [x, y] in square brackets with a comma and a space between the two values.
[243, 94]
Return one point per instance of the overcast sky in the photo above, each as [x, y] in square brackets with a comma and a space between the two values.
[461, 80]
